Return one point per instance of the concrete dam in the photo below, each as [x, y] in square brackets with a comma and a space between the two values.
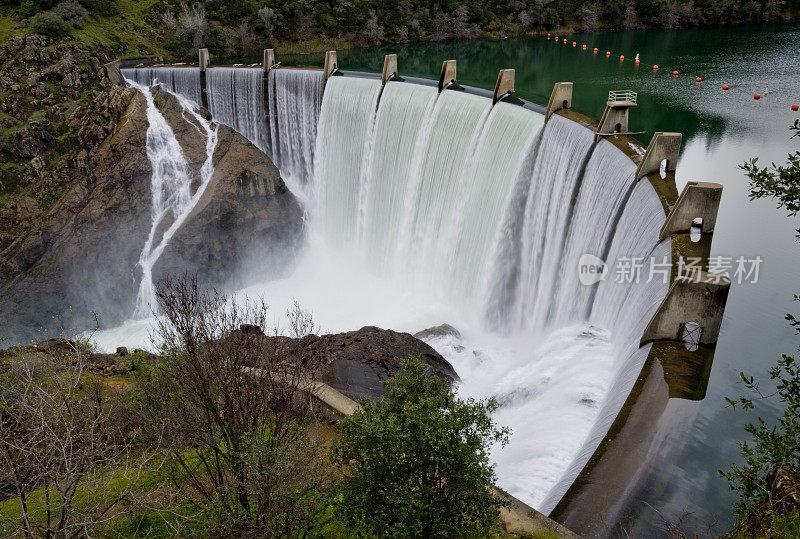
[501, 209]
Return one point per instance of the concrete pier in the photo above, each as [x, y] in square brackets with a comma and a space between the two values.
[268, 61]
[331, 64]
[505, 85]
[203, 60]
[113, 73]
[698, 201]
[662, 146]
[389, 68]
[448, 74]
[696, 298]
[560, 98]
[615, 116]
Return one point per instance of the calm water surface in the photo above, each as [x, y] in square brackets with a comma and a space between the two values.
[720, 130]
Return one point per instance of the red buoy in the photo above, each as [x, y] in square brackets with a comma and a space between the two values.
[608, 53]
[655, 67]
[565, 40]
[595, 49]
[795, 107]
[698, 79]
[757, 96]
[726, 87]
[675, 73]
[574, 44]
[584, 46]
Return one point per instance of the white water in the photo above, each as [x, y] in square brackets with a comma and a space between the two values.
[442, 208]
[170, 188]
[184, 81]
[295, 98]
[236, 99]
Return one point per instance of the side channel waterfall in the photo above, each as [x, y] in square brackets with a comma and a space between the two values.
[426, 208]
[170, 188]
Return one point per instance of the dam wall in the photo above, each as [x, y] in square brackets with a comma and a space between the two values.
[491, 203]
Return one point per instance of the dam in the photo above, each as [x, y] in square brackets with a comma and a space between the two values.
[489, 205]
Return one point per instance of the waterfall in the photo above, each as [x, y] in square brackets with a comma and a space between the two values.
[295, 98]
[183, 81]
[480, 210]
[346, 121]
[400, 135]
[236, 99]
[170, 187]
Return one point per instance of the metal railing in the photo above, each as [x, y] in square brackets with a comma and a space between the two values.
[620, 96]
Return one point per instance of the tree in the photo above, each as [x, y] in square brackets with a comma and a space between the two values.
[62, 455]
[416, 462]
[234, 415]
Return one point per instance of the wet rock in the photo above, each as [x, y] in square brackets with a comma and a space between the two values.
[356, 362]
[784, 488]
[443, 330]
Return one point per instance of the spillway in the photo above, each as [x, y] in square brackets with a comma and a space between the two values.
[184, 81]
[295, 99]
[236, 99]
[427, 207]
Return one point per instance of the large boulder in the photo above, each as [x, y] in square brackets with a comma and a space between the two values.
[82, 254]
[355, 363]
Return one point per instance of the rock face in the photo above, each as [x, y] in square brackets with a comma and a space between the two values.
[356, 362]
[81, 255]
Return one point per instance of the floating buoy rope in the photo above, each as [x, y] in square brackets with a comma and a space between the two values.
[655, 67]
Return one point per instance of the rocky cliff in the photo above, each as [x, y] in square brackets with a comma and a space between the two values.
[79, 254]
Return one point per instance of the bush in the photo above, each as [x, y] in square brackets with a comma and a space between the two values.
[73, 13]
[49, 24]
[28, 8]
[416, 463]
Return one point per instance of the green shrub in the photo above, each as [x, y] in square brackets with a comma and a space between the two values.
[49, 24]
[106, 7]
[73, 13]
[28, 8]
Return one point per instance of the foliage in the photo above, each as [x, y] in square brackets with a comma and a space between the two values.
[416, 463]
[60, 430]
[233, 414]
[779, 182]
[73, 13]
[49, 23]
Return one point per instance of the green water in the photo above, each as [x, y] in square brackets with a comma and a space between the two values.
[721, 129]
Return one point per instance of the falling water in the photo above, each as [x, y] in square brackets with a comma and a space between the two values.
[346, 122]
[236, 99]
[442, 207]
[295, 98]
[400, 135]
[183, 81]
[170, 187]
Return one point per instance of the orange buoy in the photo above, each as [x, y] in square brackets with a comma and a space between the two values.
[548, 34]
[584, 46]
[621, 56]
[675, 73]
[795, 107]
[655, 67]
[608, 53]
[698, 79]
[726, 87]
[595, 49]
[548, 38]
[757, 96]
[574, 44]
[565, 40]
